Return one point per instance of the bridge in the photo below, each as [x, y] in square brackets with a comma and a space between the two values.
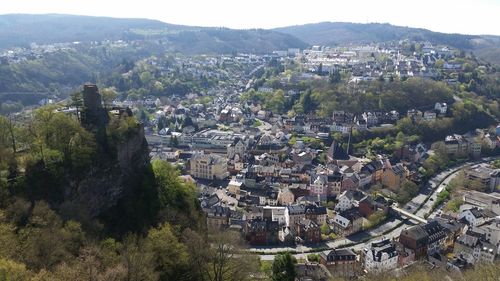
[408, 214]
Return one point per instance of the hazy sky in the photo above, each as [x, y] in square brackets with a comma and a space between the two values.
[460, 16]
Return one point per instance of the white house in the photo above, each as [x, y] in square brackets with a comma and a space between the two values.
[380, 256]
[441, 107]
[348, 200]
[474, 216]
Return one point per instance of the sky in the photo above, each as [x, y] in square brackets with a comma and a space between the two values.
[450, 16]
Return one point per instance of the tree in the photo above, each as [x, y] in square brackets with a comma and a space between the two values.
[139, 264]
[108, 96]
[284, 267]
[407, 191]
[13, 271]
[334, 77]
[220, 257]
[169, 255]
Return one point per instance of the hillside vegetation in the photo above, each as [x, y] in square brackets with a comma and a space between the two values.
[22, 30]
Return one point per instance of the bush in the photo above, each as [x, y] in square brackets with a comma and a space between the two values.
[313, 257]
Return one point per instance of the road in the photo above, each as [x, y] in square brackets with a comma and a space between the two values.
[421, 205]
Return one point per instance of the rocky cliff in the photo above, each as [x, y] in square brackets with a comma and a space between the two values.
[119, 166]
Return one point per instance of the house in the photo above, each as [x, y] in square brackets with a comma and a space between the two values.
[308, 231]
[294, 214]
[209, 166]
[473, 248]
[437, 236]
[316, 213]
[347, 222]
[414, 114]
[375, 168]
[380, 256]
[460, 146]
[490, 230]
[349, 199]
[319, 187]
[441, 107]
[234, 186]
[218, 217]
[369, 205]
[274, 213]
[474, 216]
[416, 239]
[394, 175]
[453, 228]
[370, 118]
[340, 263]
[261, 232]
[237, 147]
[424, 239]
[429, 116]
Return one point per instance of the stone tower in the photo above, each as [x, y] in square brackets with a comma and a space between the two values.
[94, 117]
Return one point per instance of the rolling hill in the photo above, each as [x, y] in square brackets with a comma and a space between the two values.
[21, 30]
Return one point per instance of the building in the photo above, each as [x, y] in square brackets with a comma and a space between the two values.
[218, 217]
[316, 213]
[486, 201]
[348, 222]
[285, 197]
[237, 147]
[349, 199]
[308, 231]
[294, 214]
[261, 232]
[460, 146]
[340, 263]
[424, 239]
[429, 116]
[319, 187]
[474, 216]
[380, 256]
[490, 230]
[472, 247]
[368, 205]
[393, 176]
[209, 166]
[441, 107]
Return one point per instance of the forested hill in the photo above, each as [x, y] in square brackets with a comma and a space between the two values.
[22, 30]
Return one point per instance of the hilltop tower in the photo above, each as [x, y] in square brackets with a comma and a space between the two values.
[94, 117]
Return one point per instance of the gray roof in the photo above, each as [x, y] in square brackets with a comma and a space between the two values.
[296, 209]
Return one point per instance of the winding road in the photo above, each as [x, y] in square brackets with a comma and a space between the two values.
[421, 205]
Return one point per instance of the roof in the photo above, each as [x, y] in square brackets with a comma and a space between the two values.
[296, 209]
[351, 214]
[339, 255]
[378, 248]
[315, 209]
[335, 152]
[353, 195]
[417, 233]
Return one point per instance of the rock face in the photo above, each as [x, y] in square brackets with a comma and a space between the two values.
[119, 168]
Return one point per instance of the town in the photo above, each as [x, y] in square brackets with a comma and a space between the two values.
[300, 182]
[349, 190]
